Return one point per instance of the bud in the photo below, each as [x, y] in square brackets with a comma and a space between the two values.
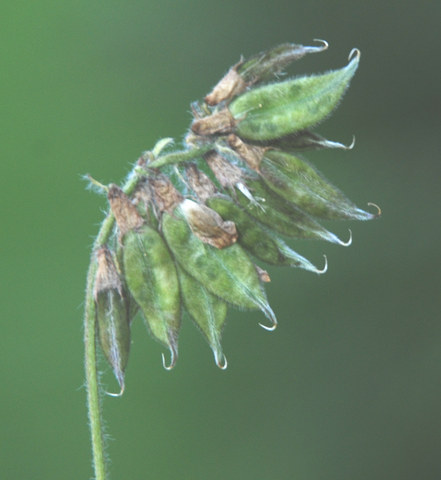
[152, 280]
[208, 225]
[112, 315]
[299, 183]
[278, 109]
[227, 273]
[207, 311]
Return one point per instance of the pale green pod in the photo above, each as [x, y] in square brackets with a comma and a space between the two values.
[267, 65]
[256, 239]
[282, 217]
[298, 182]
[132, 306]
[152, 280]
[281, 108]
[113, 331]
[259, 68]
[112, 314]
[207, 311]
[227, 272]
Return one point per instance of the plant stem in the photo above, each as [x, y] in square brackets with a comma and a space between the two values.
[92, 384]
[93, 402]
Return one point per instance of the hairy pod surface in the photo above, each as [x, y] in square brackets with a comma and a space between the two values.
[299, 183]
[260, 67]
[281, 108]
[206, 310]
[152, 280]
[266, 65]
[112, 314]
[256, 239]
[282, 217]
[191, 220]
[228, 272]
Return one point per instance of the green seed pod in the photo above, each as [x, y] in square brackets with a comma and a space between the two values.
[228, 272]
[256, 239]
[207, 311]
[112, 314]
[282, 217]
[267, 65]
[258, 68]
[152, 280]
[132, 306]
[278, 109]
[299, 183]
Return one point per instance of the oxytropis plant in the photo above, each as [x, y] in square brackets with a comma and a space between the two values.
[190, 231]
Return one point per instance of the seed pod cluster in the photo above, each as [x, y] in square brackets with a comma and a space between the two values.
[193, 224]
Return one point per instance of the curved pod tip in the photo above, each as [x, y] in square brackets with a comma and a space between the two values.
[379, 211]
[173, 358]
[324, 43]
[270, 328]
[119, 394]
[221, 360]
[354, 54]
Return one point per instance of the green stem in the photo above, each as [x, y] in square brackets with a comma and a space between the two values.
[92, 384]
[93, 401]
[179, 157]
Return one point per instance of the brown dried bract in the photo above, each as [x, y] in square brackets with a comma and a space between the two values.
[217, 123]
[107, 277]
[165, 195]
[126, 214]
[208, 225]
[230, 85]
[143, 197]
[251, 154]
[202, 186]
[227, 174]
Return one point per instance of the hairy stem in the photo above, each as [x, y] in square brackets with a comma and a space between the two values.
[93, 402]
[92, 384]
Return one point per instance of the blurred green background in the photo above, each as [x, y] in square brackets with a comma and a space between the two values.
[348, 387]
